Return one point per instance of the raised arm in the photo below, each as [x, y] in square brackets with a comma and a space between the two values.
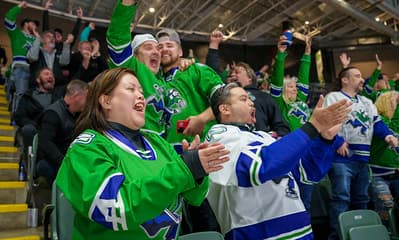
[212, 58]
[304, 71]
[118, 33]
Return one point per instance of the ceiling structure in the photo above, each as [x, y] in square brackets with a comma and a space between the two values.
[332, 23]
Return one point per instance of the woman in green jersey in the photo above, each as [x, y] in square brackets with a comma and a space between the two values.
[125, 183]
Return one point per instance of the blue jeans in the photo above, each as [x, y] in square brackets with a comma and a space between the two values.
[384, 191]
[349, 185]
[19, 79]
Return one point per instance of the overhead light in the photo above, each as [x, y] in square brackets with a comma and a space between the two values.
[385, 23]
[307, 22]
[220, 25]
[151, 9]
[377, 19]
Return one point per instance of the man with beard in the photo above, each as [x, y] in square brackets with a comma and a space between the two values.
[32, 104]
[349, 173]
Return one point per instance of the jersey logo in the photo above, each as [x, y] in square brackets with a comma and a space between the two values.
[107, 208]
[166, 220]
[171, 103]
[215, 131]
[359, 119]
[251, 96]
[299, 110]
[290, 191]
[84, 138]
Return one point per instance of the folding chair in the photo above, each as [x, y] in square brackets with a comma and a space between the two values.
[369, 232]
[210, 235]
[356, 218]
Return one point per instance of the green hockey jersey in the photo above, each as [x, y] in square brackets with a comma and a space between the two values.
[295, 113]
[121, 55]
[21, 42]
[188, 95]
[121, 192]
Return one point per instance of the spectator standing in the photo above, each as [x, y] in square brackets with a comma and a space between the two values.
[59, 38]
[21, 41]
[43, 54]
[349, 173]
[384, 187]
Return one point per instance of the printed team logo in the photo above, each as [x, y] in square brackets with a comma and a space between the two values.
[251, 96]
[107, 208]
[290, 189]
[84, 138]
[168, 220]
[360, 119]
[170, 103]
[299, 110]
[215, 131]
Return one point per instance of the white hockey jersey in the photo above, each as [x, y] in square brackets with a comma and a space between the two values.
[255, 195]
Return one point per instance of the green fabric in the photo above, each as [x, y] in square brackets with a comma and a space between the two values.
[298, 112]
[195, 86]
[20, 41]
[368, 90]
[118, 36]
[149, 186]
[381, 154]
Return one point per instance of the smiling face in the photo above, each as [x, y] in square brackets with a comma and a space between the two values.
[149, 54]
[290, 90]
[241, 75]
[239, 108]
[126, 103]
[45, 80]
[353, 81]
[170, 53]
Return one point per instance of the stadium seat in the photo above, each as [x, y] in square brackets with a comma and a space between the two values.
[393, 222]
[61, 217]
[202, 236]
[369, 232]
[32, 156]
[356, 218]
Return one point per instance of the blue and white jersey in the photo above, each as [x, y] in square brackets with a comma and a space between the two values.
[358, 130]
[256, 195]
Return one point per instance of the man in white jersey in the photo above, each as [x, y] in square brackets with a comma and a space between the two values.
[256, 195]
[349, 172]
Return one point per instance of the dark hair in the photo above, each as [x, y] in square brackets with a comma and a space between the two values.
[250, 72]
[27, 20]
[93, 116]
[221, 96]
[343, 73]
[38, 71]
[58, 30]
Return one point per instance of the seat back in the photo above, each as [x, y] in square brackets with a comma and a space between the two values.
[393, 221]
[33, 159]
[210, 235]
[356, 218]
[370, 232]
[62, 217]
[32, 156]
